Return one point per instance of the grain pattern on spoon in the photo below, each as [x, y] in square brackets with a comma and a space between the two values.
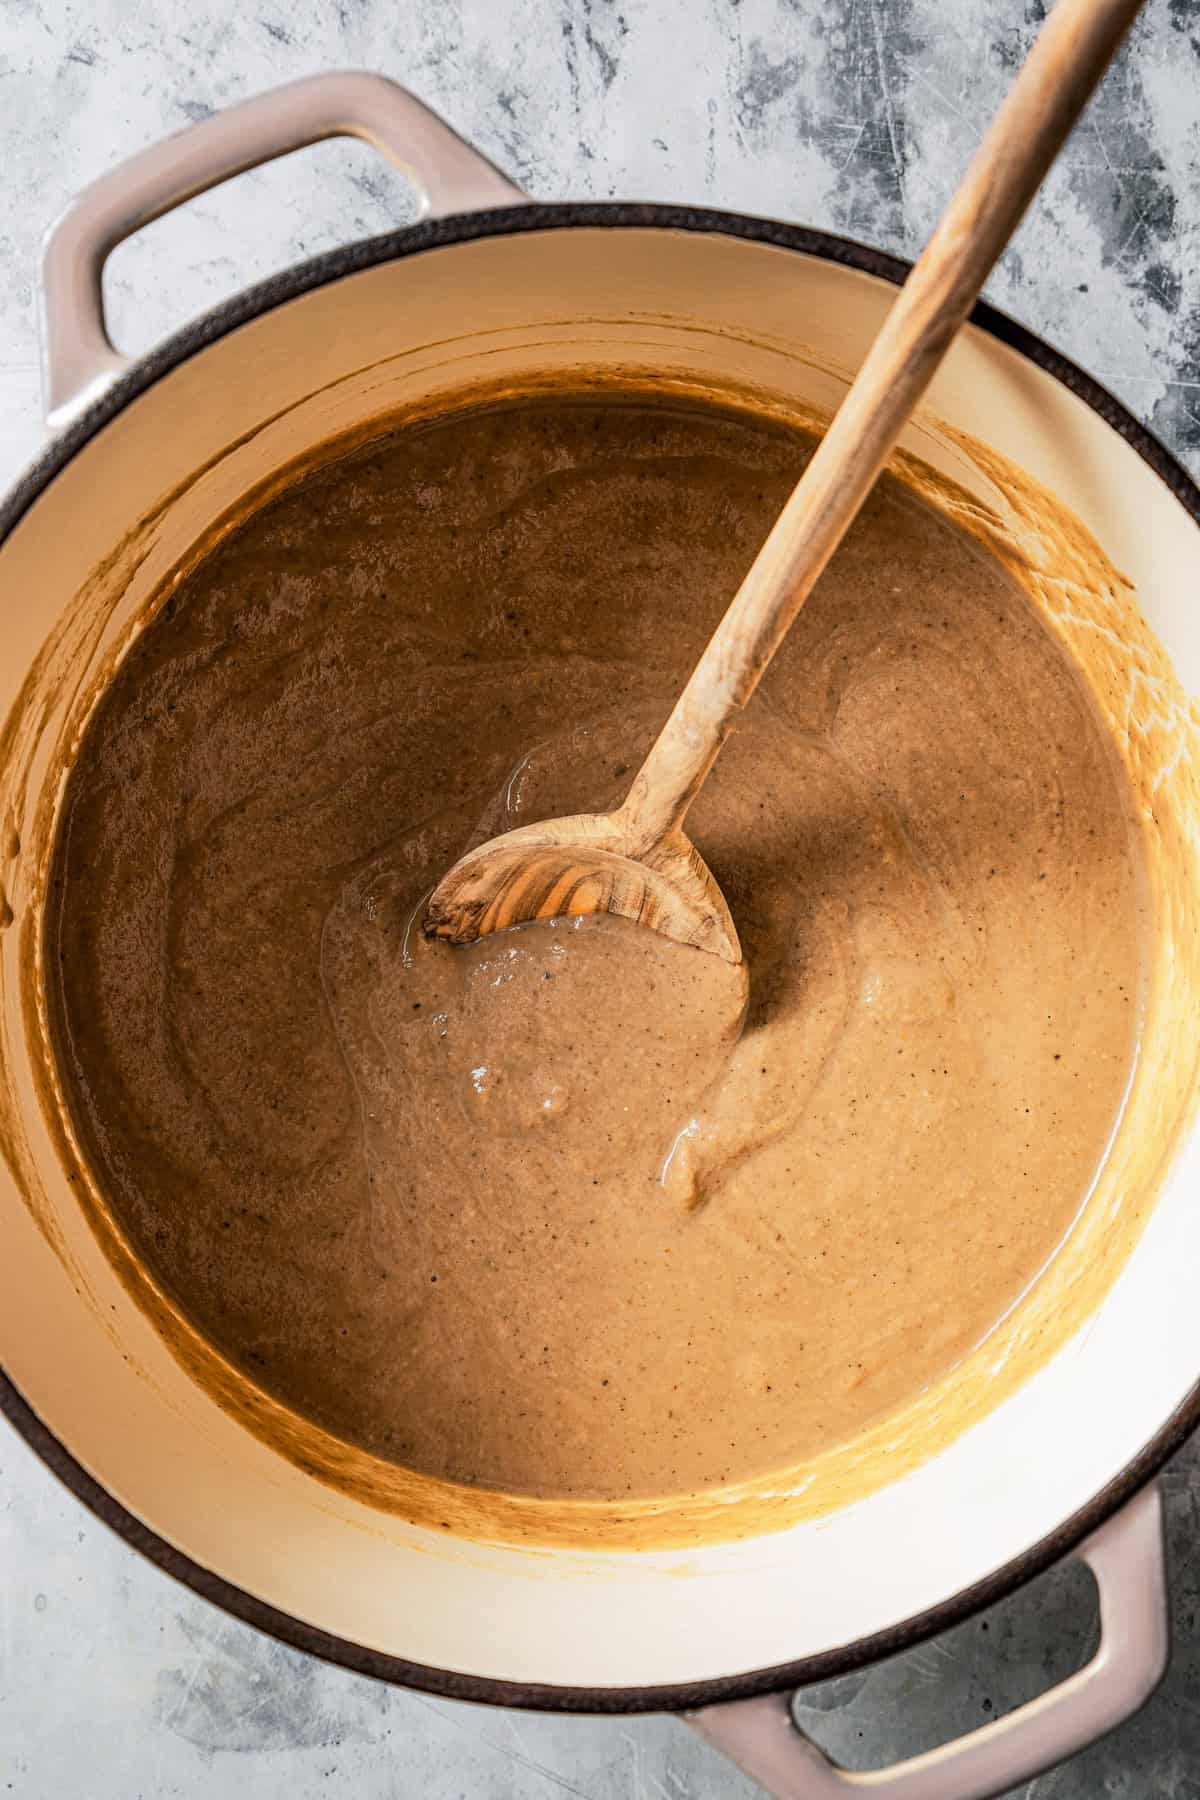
[637, 861]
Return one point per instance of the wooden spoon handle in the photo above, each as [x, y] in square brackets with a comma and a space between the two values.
[1071, 54]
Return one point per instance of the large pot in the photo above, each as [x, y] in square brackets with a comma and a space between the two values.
[143, 458]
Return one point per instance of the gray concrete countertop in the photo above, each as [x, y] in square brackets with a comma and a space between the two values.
[856, 115]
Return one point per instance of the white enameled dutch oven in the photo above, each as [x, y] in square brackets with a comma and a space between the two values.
[143, 458]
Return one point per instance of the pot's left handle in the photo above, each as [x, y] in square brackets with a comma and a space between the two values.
[1126, 1556]
[78, 361]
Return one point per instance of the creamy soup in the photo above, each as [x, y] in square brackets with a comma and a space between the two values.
[578, 1211]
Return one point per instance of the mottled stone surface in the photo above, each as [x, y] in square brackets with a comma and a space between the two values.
[852, 114]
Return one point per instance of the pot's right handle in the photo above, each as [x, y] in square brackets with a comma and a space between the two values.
[78, 360]
[1127, 1558]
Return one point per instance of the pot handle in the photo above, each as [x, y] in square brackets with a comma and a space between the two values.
[1127, 1558]
[78, 360]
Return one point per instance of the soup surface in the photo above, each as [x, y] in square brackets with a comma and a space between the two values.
[578, 1211]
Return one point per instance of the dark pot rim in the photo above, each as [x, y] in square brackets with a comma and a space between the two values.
[143, 374]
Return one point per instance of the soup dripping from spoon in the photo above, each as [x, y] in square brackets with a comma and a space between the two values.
[638, 861]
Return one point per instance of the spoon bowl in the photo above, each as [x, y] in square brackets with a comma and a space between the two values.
[584, 863]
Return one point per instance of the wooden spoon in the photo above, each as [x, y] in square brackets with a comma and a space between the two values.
[637, 861]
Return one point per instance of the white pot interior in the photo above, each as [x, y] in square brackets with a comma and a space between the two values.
[77, 574]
